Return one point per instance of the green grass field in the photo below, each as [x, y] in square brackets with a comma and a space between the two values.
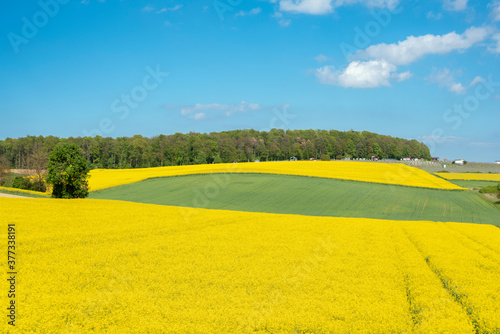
[473, 184]
[307, 196]
[21, 193]
[470, 167]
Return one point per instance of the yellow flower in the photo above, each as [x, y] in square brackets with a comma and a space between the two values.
[101, 266]
[398, 174]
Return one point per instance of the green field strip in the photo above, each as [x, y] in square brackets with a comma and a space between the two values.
[473, 183]
[307, 196]
[23, 194]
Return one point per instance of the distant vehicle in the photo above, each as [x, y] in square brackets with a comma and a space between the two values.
[374, 158]
[293, 159]
[497, 162]
[407, 159]
[459, 162]
[312, 159]
[257, 161]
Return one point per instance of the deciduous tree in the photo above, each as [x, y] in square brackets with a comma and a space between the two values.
[68, 172]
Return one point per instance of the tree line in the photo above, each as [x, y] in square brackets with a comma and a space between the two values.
[32, 152]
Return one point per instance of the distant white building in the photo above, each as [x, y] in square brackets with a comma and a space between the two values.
[497, 162]
[459, 162]
[407, 159]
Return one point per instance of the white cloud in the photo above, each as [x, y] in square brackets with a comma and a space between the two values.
[319, 7]
[413, 48]
[368, 74]
[457, 88]
[321, 58]
[401, 76]
[455, 5]
[476, 80]
[495, 48]
[445, 78]
[495, 12]
[150, 8]
[198, 111]
[307, 6]
[282, 21]
[198, 116]
[253, 11]
[380, 61]
[431, 15]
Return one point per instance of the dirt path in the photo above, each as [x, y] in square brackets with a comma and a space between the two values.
[13, 196]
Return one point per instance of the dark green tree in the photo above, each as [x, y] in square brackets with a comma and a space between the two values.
[68, 172]
[201, 158]
[217, 159]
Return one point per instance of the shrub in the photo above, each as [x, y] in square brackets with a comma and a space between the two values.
[25, 182]
[490, 189]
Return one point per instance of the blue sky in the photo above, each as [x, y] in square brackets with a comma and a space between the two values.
[426, 70]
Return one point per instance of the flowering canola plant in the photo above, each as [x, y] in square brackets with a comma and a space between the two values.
[470, 176]
[101, 266]
[398, 174]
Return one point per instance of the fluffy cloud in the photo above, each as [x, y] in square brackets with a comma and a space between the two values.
[380, 68]
[495, 48]
[445, 78]
[282, 21]
[367, 74]
[455, 5]
[321, 58]
[319, 7]
[198, 116]
[495, 12]
[413, 48]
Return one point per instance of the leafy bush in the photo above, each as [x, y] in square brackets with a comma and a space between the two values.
[490, 190]
[24, 182]
[325, 157]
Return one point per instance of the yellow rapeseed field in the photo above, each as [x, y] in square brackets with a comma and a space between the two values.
[99, 266]
[398, 174]
[470, 176]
